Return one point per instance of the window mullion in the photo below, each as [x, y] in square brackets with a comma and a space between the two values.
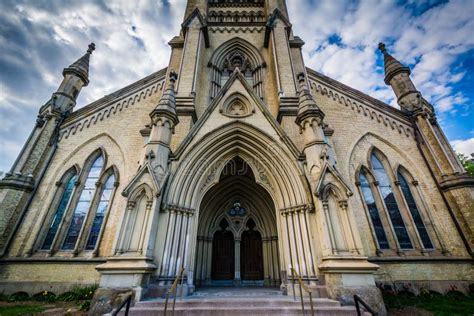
[383, 206]
[62, 229]
[48, 218]
[102, 228]
[83, 233]
[378, 250]
[411, 226]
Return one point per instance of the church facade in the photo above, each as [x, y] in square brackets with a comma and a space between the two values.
[242, 166]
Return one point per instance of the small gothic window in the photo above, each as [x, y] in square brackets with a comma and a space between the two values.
[100, 213]
[415, 213]
[83, 204]
[58, 216]
[391, 203]
[373, 212]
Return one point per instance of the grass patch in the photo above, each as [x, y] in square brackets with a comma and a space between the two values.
[453, 303]
[20, 310]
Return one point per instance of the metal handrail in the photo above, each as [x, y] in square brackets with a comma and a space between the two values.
[302, 287]
[358, 300]
[173, 288]
[127, 301]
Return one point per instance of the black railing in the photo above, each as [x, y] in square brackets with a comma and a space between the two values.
[173, 290]
[302, 287]
[358, 301]
[126, 302]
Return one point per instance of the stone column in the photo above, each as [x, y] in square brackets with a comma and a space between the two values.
[237, 276]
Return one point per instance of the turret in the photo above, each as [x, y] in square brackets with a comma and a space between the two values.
[451, 178]
[75, 76]
[21, 183]
[398, 77]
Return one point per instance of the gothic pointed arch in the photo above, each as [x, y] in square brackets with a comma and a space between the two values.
[274, 168]
[236, 53]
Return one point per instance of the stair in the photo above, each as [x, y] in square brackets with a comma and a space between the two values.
[241, 306]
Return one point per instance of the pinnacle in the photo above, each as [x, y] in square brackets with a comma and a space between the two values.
[391, 65]
[80, 67]
[307, 105]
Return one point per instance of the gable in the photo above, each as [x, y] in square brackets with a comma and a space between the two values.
[237, 102]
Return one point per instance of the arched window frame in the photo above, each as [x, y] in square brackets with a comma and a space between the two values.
[82, 181]
[397, 196]
[60, 185]
[252, 57]
[362, 170]
[420, 205]
[82, 175]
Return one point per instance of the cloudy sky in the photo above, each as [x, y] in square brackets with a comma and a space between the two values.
[39, 38]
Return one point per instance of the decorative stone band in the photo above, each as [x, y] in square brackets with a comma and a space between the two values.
[236, 29]
[180, 210]
[112, 104]
[380, 112]
[297, 209]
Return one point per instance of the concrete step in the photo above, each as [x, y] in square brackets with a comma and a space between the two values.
[244, 310]
[222, 306]
[238, 302]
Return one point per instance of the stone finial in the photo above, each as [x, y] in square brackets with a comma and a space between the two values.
[173, 76]
[91, 48]
[382, 48]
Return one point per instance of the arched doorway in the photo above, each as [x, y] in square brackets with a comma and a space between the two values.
[223, 253]
[237, 231]
[251, 256]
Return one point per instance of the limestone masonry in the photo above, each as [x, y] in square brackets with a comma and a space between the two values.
[238, 164]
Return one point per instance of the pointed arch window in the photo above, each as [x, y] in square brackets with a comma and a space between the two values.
[390, 202]
[83, 204]
[373, 212]
[59, 214]
[100, 213]
[415, 213]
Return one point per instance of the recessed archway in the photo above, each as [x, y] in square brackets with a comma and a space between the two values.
[238, 208]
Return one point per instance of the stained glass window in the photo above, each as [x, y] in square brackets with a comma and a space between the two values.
[83, 204]
[391, 204]
[373, 212]
[415, 213]
[100, 213]
[58, 216]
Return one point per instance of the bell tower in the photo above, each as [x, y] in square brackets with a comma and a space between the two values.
[19, 185]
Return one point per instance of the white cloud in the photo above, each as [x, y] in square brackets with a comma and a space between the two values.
[465, 146]
[39, 39]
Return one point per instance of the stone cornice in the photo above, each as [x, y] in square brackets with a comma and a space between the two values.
[236, 29]
[112, 103]
[361, 103]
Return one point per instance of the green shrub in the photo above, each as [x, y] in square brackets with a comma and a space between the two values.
[78, 294]
[45, 296]
[18, 297]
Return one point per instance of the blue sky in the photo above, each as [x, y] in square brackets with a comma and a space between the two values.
[39, 38]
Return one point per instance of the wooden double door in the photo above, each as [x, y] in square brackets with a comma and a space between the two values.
[223, 256]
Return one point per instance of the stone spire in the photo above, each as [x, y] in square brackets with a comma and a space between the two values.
[391, 65]
[80, 68]
[307, 106]
[398, 77]
[167, 105]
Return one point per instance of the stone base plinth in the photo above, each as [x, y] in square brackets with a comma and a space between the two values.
[345, 277]
[126, 272]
